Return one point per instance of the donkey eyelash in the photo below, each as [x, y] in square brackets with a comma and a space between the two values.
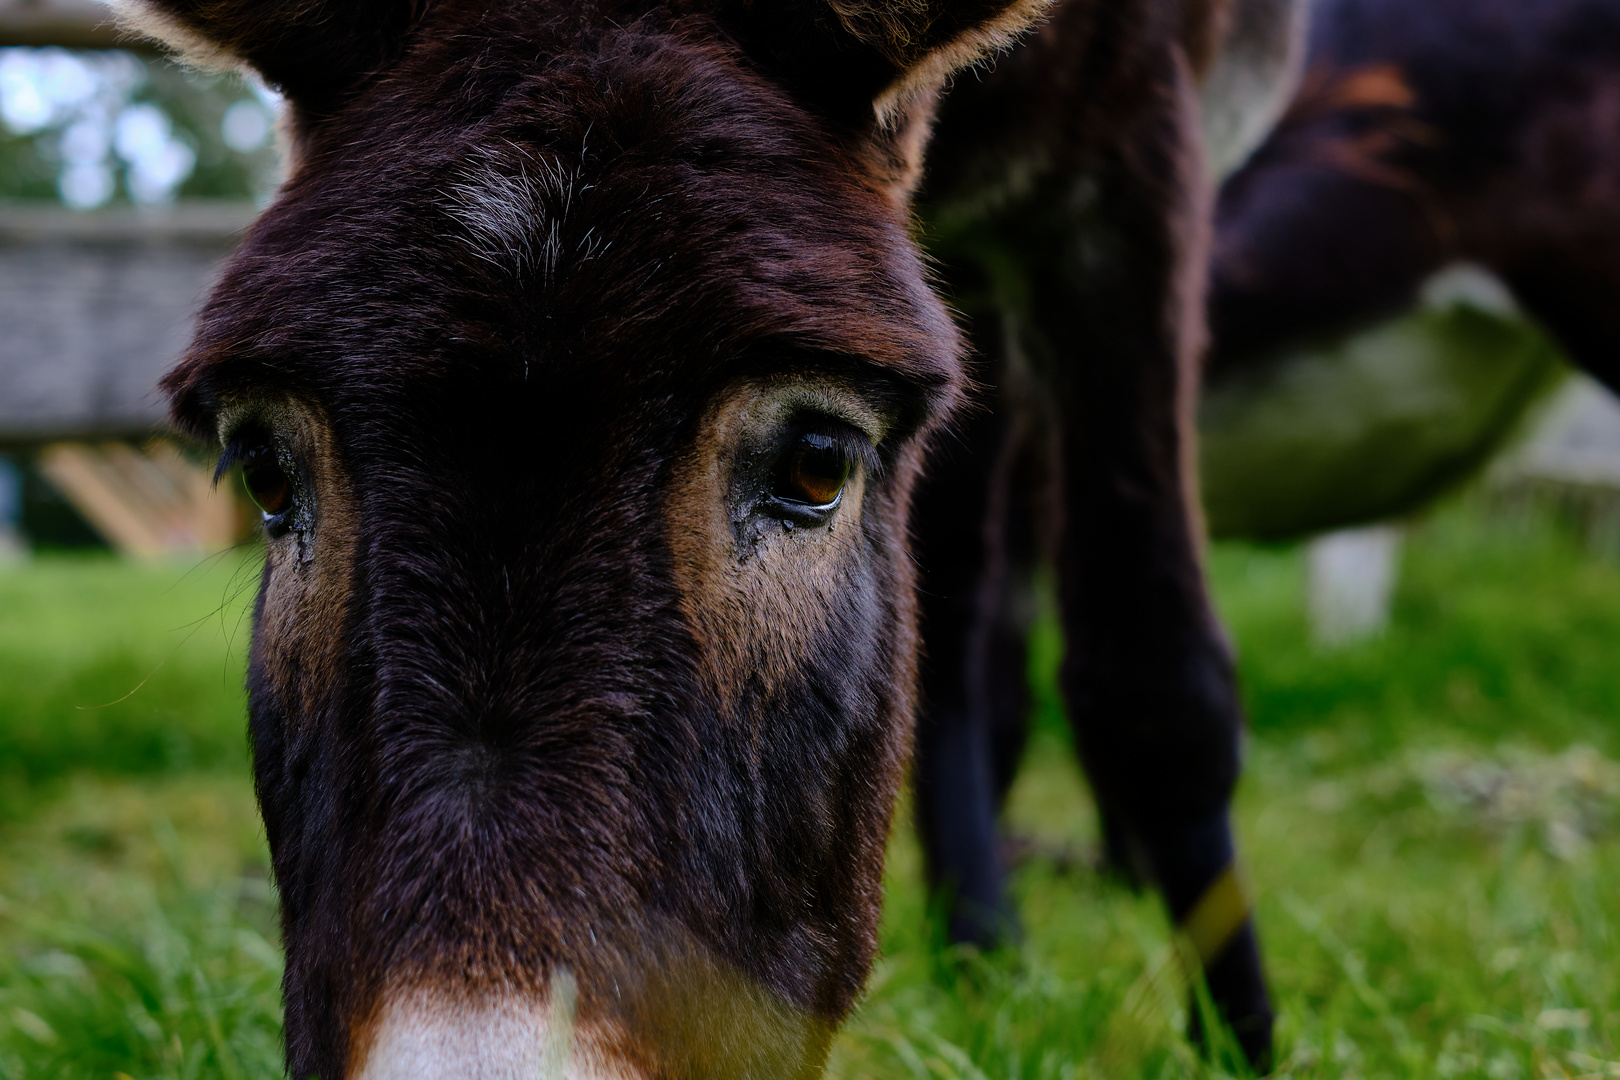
[229, 459]
[847, 440]
[237, 445]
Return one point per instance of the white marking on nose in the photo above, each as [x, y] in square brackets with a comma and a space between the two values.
[430, 1034]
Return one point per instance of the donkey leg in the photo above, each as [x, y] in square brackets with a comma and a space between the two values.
[1147, 674]
[1158, 723]
[1008, 696]
[974, 694]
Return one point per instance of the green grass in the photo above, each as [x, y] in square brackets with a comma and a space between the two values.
[1431, 821]
[136, 934]
[1502, 629]
[119, 669]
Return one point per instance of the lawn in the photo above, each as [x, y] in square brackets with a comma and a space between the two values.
[1431, 821]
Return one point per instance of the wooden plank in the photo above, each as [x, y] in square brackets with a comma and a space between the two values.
[94, 489]
[148, 502]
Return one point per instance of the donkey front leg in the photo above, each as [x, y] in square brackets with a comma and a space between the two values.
[1147, 674]
[975, 550]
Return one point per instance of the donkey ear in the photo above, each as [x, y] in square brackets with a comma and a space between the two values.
[316, 52]
[847, 56]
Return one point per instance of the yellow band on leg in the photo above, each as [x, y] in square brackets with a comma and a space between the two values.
[1219, 914]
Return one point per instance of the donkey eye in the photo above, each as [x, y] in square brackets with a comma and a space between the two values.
[266, 482]
[814, 472]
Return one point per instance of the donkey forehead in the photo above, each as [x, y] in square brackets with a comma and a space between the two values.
[711, 225]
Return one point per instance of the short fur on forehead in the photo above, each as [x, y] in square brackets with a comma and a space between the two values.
[647, 183]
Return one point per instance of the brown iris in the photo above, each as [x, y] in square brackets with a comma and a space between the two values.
[814, 472]
[266, 481]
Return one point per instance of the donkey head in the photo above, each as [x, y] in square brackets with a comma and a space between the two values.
[581, 371]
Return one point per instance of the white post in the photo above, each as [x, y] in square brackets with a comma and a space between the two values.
[1352, 576]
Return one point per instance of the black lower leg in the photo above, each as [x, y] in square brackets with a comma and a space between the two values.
[1122, 858]
[1163, 755]
[1147, 675]
[969, 655]
[1194, 864]
[956, 816]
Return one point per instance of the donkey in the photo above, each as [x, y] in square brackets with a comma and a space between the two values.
[1423, 133]
[1067, 200]
[583, 370]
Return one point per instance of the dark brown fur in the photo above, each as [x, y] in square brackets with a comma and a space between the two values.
[506, 719]
[1069, 200]
[539, 687]
[1425, 132]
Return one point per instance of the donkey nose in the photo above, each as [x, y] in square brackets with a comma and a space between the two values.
[435, 1033]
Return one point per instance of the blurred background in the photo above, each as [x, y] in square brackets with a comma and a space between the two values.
[123, 181]
[1417, 552]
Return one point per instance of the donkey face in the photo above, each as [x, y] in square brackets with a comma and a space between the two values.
[581, 371]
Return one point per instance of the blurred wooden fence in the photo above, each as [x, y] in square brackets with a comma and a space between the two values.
[148, 501]
[94, 307]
